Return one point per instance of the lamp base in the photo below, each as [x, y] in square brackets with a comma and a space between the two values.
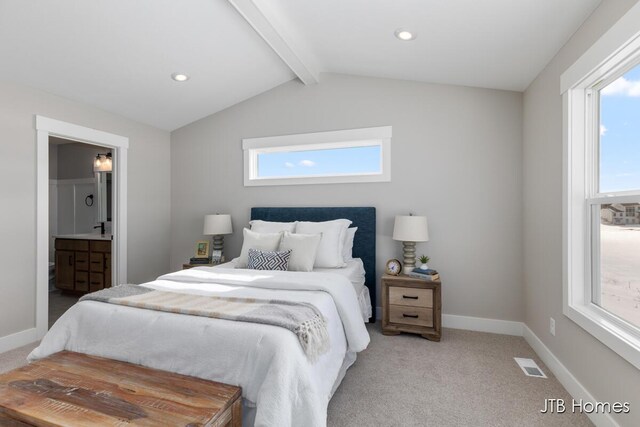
[409, 256]
[218, 245]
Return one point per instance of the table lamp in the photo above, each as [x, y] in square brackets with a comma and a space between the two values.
[217, 226]
[410, 229]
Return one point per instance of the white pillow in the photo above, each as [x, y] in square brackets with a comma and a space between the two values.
[260, 226]
[347, 250]
[259, 241]
[332, 241]
[304, 248]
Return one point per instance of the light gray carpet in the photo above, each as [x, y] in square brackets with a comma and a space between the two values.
[467, 379]
[15, 358]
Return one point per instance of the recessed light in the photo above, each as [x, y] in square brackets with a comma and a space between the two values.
[405, 35]
[179, 77]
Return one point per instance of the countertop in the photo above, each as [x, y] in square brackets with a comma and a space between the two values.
[85, 236]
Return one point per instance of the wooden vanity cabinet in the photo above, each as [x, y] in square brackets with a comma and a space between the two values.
[83, 265]
[65, 270]
[107, 270]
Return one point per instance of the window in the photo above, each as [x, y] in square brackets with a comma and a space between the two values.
[358, 155]
[616, 245]
[288, 163]
[601, 95]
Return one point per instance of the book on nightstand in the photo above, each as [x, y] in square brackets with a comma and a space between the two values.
[429, 274]
[194, 261]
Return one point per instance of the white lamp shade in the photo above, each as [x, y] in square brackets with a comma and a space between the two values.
[410, 228]
[215, 225]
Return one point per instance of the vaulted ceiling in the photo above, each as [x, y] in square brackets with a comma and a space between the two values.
[119, 54]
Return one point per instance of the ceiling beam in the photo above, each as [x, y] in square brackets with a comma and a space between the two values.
[268, 32]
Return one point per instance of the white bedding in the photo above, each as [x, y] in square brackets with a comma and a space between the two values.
[266, 361]
[353, 271]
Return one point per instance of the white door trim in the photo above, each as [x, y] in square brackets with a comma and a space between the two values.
[46, 127]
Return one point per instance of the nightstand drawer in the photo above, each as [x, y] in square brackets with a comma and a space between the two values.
[410, 315]
[413, 297]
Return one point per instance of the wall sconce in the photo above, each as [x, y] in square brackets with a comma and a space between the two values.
[103, 163]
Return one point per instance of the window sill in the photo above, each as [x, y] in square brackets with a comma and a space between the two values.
[610, 333]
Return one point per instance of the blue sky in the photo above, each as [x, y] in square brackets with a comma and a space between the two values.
[320, 162]
[620, 133]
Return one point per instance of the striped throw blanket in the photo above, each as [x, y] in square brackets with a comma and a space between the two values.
[303, 319]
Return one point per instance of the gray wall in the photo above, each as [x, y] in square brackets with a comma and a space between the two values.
[607, 376]
[75, 160]
[456, 157]
[148, 201]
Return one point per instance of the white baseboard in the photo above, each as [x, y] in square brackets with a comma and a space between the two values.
[565, 377]
[18, 339]
[494, 326]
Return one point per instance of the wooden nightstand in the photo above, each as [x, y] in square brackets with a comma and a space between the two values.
[411, 305]
[187, 266]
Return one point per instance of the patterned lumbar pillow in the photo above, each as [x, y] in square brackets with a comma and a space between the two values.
[268, 260]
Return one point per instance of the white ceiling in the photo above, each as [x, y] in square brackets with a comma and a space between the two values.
[119, 54]
[499, 44]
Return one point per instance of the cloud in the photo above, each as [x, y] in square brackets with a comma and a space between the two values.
[624, 174]
[289, 165]
[307, 163]
[623, 87]
[603, 130]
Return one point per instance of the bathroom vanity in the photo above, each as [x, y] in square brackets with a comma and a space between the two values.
[83, 262]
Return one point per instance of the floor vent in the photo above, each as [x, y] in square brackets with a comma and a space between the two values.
[529, 367]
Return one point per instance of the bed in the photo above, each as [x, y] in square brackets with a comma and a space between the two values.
[281, 385]
[364, 245]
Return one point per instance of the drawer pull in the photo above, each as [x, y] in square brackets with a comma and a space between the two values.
[95, 262]
[413, 316]
[82, 282]
[70, 260]
[96, 283]
[409, 297]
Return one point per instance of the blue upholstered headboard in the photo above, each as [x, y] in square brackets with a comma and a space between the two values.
[364, 244]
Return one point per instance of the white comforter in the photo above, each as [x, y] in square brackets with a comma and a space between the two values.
[266, 361]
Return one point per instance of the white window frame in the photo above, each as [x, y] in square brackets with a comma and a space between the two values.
[614, 53]
[366, 137]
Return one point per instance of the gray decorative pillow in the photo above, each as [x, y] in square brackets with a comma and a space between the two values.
[268, 260]
[303, 247]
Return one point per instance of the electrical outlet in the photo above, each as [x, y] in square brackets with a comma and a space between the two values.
[552, 326]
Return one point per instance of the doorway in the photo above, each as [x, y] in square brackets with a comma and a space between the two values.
[80, 222]
[76, 242]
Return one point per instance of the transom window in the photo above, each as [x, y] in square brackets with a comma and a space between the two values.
[357, 155]
[291, 163]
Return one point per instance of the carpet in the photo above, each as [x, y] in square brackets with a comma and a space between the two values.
[467, 379]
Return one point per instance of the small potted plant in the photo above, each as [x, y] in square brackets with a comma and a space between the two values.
[424, 260]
